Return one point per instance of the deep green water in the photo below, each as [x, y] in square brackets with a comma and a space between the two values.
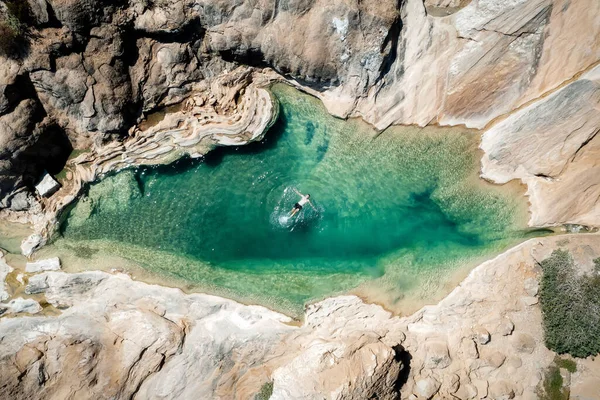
[391, 208]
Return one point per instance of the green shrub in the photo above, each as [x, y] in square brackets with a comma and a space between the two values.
[570, 307]
[265, 392]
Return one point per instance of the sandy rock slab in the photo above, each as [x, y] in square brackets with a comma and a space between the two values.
[553, 147]
[119, 338]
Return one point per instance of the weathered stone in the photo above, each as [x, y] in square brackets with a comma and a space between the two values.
[20, 201]
[427, 387]
[47, 186]
[50, 264]
[5, 269]
[21, 305]
[495, 359]
[501, 390]
[504, 327]
[481, 335]
[482, 388]
[529, 301]
[39, 11]
[437, 355]
[451, 383]
[466, 392]
[531, 286]
[562, 127]
[523, 343]
[31, 244]
[468, 348]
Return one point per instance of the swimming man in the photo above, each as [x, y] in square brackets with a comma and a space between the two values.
[303, 200]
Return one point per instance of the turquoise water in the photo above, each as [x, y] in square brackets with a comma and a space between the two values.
[389, 208]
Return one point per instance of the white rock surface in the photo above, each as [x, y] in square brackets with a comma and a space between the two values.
[47, 186]
[5, 269]
[20, 305]
[49, 264]
[31, 244]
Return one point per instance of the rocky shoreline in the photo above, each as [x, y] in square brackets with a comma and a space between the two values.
[119, 338]
[526, 72]
[235, 110]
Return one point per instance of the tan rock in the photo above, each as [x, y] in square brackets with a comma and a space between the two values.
[482, 388]
[437, 356]
[466, 392]
[495, 359]
[523, 343]
[427, 387]
[501, 390]
[451, 383]
[563, 184]
[482, 336]
[468, 348]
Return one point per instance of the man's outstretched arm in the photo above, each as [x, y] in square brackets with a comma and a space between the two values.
[313, 207]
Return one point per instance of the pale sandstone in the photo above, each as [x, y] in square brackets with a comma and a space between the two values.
[5, 269]
[50, 264]
[551, 146]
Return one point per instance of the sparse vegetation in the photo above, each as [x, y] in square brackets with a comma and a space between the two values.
[565, 363]
[553, 386]
[13, 27]
[265, 392]
[570, 307]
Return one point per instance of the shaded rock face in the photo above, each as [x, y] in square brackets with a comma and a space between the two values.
[319, 42]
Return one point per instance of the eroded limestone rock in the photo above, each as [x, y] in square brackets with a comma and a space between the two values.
[50, 264]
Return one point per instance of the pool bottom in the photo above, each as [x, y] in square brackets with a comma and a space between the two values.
[397, 213]
[406, 285]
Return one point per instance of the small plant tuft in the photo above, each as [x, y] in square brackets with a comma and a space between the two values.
[565, 363]
[552, 385]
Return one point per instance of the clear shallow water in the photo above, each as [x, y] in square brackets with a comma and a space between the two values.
[394, 210]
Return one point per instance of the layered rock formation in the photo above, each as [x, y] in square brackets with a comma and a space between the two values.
[552, 147]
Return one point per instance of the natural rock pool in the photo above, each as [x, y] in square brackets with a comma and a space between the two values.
[397, 211]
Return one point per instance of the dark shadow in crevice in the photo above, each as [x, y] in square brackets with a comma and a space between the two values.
[402, 356]
[50, 153]
[189, 33]
[392, 38]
